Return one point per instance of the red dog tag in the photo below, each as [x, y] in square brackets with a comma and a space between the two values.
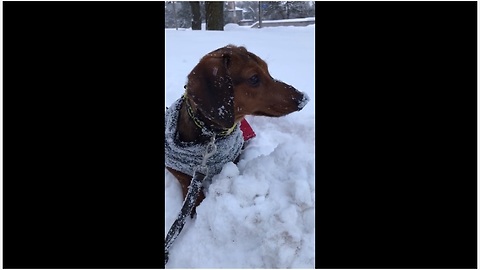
[247, 130]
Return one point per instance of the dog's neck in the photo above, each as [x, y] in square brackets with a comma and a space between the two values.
[188, 131]
[195, 127]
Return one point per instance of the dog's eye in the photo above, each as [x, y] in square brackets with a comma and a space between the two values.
[254, 80]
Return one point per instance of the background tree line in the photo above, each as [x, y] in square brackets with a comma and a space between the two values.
[218, 13]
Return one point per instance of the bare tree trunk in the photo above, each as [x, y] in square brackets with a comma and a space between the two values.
[234, 13]
[175, 15]
[196, 17]
[259, 15]
[287, 6]
[214, 15]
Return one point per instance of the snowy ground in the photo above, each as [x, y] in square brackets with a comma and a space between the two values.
[259, 213]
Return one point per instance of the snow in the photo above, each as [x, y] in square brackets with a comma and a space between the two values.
[308, 19]
[260, 212]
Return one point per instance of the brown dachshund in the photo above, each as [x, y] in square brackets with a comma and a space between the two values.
[225, 86]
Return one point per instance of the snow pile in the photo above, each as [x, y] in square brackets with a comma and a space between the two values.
[260, 212]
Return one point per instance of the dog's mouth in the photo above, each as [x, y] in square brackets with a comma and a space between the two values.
[260, 113]
[274, 112]
[284, 108]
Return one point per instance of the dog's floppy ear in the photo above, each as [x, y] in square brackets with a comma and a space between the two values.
[210, 88]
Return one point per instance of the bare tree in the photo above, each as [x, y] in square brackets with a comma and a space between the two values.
[214, 15]
[259, 15]
[196, 15]
[175, 15]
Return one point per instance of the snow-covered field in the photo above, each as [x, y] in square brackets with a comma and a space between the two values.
[259, 213]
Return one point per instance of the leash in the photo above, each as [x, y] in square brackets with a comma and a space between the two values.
[198, 176]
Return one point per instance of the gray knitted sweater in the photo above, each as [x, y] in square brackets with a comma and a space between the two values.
[186, 156]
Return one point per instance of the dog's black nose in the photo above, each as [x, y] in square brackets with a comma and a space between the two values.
[303, 101]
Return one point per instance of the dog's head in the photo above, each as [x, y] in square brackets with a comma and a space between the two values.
[231, 82]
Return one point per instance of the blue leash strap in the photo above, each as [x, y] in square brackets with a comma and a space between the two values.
[191, 197]
[188, 203]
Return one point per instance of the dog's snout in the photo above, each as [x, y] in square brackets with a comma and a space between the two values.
[300, 98]
[305, 99]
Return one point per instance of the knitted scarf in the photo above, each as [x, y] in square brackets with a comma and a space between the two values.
[186, 156]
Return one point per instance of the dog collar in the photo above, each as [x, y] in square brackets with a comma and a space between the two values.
[200, 124]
